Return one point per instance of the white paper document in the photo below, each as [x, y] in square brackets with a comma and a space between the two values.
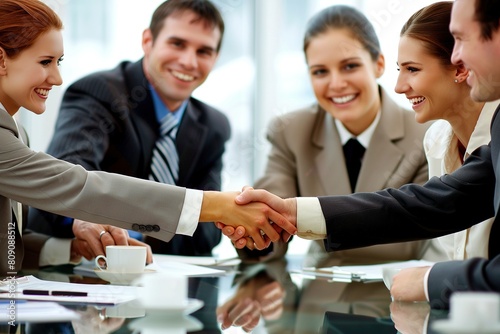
[165, 263]
[27, 287]
[23, 311]
[209, 261]
[363, 273]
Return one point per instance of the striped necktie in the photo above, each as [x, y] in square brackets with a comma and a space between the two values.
[165, 161]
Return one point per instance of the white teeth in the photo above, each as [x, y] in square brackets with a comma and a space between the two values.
[182, 76]
[416, 100]
[344, 99]
[43, 92]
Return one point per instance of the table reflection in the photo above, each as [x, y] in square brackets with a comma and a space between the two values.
[260, 297]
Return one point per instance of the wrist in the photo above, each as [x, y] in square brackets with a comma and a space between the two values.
[74, 256]
[213, 206]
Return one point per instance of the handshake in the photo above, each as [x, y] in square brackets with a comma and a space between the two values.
[257, 218]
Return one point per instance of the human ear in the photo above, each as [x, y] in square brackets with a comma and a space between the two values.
[147, 41]
[380, 66]
[461, 73]
[3, 62]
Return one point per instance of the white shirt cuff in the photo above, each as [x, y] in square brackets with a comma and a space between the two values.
[426, 286]
[311, 223]
[55, 252]
[190, 214]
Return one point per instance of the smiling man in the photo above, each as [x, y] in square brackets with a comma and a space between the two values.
[475, 26]
[113, 121]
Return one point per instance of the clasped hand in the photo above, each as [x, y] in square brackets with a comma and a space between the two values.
[287, 208]
[256, 297]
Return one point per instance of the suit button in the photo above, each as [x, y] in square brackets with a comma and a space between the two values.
[135, 227]
[156, 228]
[149, 228]
[142, 228]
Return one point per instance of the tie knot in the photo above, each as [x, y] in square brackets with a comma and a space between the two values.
[168, 123]
[354, 147]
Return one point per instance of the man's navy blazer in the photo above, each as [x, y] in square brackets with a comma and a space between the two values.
[443, 205]
[107, 122]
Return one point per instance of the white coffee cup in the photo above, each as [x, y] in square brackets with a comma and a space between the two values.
[475, 309]
[123, 259]
[162, 290]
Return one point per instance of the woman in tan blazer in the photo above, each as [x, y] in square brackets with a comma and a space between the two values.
[31, 50]
[307, 154]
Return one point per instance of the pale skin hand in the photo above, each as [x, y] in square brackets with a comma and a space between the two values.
[256, 297]
[408, 284]
[252, 216]
[237, 236]
[91, 322]
[409, 317]
[88, 244]
[287, 207]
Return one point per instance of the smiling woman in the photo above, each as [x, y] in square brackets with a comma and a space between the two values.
[36, 71]
[438, 90]
[33, 56]
[314, 150]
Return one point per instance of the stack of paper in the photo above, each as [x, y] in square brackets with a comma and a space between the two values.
[32, 288]
[36, 312]
[364, 273]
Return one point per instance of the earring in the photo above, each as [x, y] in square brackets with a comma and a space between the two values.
[456, 80]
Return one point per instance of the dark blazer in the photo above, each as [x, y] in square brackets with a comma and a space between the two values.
[107, 122]
[443, 205]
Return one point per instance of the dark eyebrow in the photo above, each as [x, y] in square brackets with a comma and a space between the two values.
[350, 59]
[407, 63]
[178, 39]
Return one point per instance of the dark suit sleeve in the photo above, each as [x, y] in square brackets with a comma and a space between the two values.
[476, 274]
[443, 205]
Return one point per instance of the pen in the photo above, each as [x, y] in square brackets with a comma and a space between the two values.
[54, 293]
[334, 272]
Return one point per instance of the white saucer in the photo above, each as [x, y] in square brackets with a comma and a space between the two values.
[120, 278]
[174, 311]
[186, 323]
[447, 326]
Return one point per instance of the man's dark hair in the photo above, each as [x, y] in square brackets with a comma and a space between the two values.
[488, 15]
[204, 10]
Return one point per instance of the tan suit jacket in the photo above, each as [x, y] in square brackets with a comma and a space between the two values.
[37, 179]
[307, 159]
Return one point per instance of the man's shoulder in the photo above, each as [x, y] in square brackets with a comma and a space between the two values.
[206, 109]
[115, 78]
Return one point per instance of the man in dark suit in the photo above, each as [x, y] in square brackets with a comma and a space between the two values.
[110, 120]
[443, 205]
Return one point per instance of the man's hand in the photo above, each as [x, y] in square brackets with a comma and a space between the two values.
[91, 242]
[91, 321]
[408, 284]
[237, 235]
[257, 219]
[410, 317]
[258, 296]
[288, 208]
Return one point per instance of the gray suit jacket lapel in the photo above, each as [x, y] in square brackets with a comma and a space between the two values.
[383, 156]
[330, 164]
